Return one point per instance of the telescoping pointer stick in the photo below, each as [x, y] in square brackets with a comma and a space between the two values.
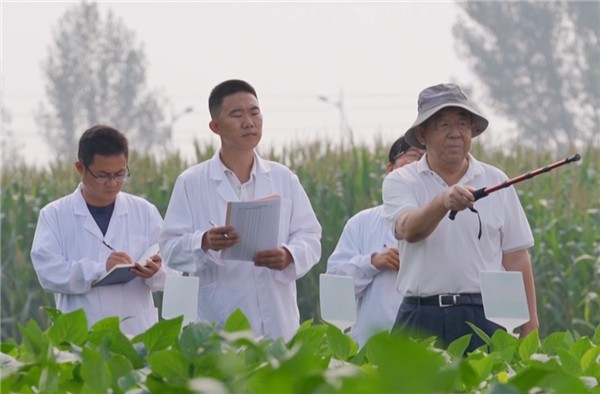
[483, 192]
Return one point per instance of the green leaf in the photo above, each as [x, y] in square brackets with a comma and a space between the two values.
[35, 341]
[480, 333]
[569, 363]
[483, 367]
[589, 362]
[580, 346]
[94, 371]
[529, 345]
[169, 364]
[118, 366]
[110, 323]
[161, 335]
[342, 346]
[311, 338]
[458, 347]
[504, 346]
[71, 327]
[555, 341]
[196, 337]
[237, 321]
[53, 313]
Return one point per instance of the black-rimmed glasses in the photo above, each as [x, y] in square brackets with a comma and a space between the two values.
[119, 177]
[413, 154]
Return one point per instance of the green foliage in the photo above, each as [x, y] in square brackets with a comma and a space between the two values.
[319, 359]
[563, 208]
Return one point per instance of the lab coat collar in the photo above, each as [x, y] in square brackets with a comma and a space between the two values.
[262, 178]
[81, 209]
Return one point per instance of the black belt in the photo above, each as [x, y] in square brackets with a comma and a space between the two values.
[443, 300]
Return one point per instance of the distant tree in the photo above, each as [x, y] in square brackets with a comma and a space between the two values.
[540, 62]
[96, 73]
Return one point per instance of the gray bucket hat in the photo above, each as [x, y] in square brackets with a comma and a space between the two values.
[433, 99]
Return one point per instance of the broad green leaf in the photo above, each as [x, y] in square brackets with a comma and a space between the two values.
[499, 388]
[580, 346]
[529, 345]
[569, 363]
[94, 371]
[237, 321]
[161, 335]
[118, 366]
[35, 341]
[403, 365]
[110, 323]
[469, 376]
[311, 338]
[529, 377]
[71, 327]
[53, 313]
[199, 337]
[590, 362]
[596, 337]
[555, 341]
[49, 379]
[169, 364]
[504, 345]
[342, 346]
[458, 347]
[483, 367]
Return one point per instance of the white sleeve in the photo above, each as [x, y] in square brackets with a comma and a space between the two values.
[349, 260]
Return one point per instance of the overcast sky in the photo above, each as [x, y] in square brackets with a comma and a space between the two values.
[376, 56]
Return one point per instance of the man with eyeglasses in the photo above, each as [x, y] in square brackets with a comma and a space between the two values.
[367, 251]
[442, 258]
[80, 237]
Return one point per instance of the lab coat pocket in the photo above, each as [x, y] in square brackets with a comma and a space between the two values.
[285, 219]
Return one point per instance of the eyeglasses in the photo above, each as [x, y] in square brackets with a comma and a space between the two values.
[119, 177]
[411, 153]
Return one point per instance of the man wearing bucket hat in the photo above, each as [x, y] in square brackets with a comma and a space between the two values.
[367, 252]
[439, 276]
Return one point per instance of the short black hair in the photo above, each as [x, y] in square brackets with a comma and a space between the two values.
[224, 89]
[399, 146]
[101, 140]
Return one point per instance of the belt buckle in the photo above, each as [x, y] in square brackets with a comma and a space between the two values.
[454, 300]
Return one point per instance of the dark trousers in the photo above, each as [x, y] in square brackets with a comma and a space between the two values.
[445, 323]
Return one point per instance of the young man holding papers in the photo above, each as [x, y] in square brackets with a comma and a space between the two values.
[82, 236]
[264, 288]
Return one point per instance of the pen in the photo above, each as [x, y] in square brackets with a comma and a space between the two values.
[108, 246]
[214, 225]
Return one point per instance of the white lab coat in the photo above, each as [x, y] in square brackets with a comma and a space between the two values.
[267, 297]
[377, 298]
[68, 255]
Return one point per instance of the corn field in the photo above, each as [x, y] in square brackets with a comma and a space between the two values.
[563, 208]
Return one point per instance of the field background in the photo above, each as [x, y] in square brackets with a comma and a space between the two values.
[563, 208]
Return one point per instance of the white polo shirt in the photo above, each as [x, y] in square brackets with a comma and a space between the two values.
[450, 259]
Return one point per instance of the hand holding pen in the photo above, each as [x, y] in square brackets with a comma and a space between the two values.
[151, 266]
[219, 237]
[116, 257]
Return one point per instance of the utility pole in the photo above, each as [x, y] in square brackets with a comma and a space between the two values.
[346, 133]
